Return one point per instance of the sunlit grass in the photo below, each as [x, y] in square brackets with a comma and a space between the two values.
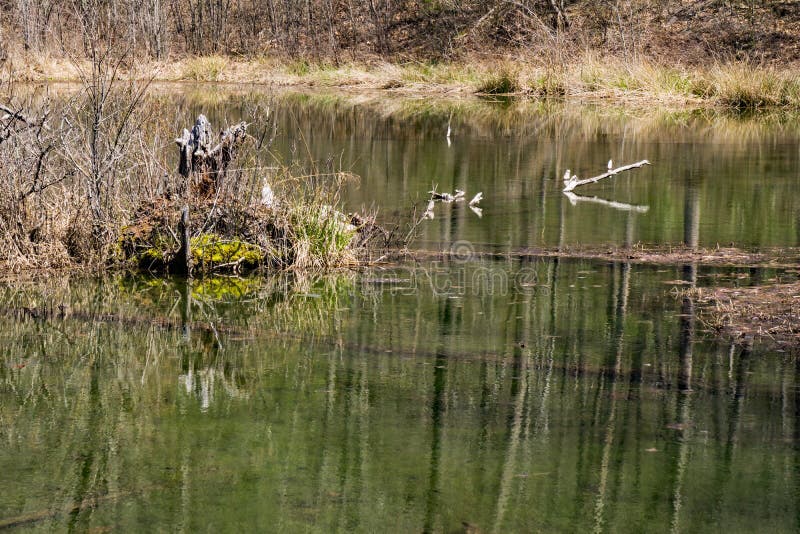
[733, 85]
[204, 69]
[741, 86]
[504, 80]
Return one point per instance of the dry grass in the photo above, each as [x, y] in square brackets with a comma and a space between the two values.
[733, 85]
[740, 86]
[203, 69]
[48, 219]
[769, 313]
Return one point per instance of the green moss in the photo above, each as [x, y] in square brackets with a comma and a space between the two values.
[210, 249]
[152, 255]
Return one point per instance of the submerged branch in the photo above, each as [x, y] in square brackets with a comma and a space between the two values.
[572, 181]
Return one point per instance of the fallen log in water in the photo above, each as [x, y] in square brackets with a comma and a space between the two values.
[571, 181]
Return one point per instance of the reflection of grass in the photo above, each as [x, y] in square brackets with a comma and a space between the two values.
[286, 302]
[524, 116]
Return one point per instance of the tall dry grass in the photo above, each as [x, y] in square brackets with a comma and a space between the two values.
[734, 85]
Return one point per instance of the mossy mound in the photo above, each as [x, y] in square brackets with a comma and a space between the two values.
[213, 250]
[227, 235]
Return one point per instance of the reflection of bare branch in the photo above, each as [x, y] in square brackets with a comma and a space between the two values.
[619, 343]
[571, 181]
[574, 199]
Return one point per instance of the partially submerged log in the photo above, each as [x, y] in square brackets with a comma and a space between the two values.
[571, 181]
[204, 163]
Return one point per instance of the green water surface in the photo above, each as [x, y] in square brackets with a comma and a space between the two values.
[462, 395]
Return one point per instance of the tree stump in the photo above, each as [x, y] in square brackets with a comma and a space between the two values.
[204, 163]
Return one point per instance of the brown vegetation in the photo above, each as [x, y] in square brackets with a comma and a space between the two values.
[739, 54]
[102, 196]
[645, 255]
[769, 313]
[335, 31]
[86, 182]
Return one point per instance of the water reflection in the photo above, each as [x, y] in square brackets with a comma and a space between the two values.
[737, 176]
[592, 403]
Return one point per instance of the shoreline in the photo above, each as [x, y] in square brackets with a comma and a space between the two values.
[590, 79]
[658, 255]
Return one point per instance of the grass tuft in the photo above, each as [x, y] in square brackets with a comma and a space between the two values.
[204, 69]
[503, 81]
[740, 86]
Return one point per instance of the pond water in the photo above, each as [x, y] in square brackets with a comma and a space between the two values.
[715, 179]
[463, 395]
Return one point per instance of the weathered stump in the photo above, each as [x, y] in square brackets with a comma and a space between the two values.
[203, 163]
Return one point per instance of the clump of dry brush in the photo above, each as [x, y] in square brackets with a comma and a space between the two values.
[237, 213]
[88, 178]
[71, 168]
[88, 183]
[34, 196]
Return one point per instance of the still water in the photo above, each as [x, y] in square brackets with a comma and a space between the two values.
[715, 179]
[457, 396]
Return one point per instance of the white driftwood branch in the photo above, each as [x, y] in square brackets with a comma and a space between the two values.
[574, 199]
[572, 182]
